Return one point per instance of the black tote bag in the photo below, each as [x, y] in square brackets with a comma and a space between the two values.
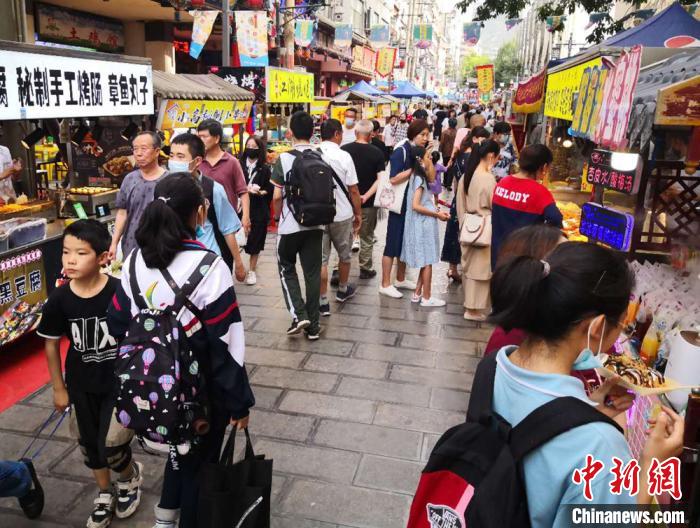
[235, 495]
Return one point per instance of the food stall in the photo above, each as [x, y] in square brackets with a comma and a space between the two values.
[286, 91]
[85, 90]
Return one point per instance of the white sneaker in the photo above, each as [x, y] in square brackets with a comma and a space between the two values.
[166, 518]
[390, 291]
[415, 298]
[405, 285]
[433, 302]
[251, 278]
[356, 245]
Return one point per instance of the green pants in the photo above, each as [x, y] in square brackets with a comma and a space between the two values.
[369, 222]
[307, 244]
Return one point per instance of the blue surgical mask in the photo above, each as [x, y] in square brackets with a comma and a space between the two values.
[587, 360]
[178, 166]
[349, 121]
[199, 231]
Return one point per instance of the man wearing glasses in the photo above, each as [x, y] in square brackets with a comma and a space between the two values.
[136, 192]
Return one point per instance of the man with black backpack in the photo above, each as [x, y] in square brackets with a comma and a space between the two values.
[304, 201]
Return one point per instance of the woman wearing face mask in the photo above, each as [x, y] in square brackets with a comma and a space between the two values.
[475, 195]
[570, 306]
[257, 176]
[165, 237]
[508, 156]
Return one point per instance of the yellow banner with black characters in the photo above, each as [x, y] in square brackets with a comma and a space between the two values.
[288, 86]
[561, 87]
[186, 113]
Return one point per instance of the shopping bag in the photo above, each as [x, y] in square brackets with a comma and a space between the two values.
[389, 196]
[235, 495]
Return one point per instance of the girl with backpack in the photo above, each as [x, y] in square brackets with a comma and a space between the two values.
[169, 264]
[421, 242]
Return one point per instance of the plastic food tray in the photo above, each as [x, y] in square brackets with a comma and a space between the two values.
[23, 231]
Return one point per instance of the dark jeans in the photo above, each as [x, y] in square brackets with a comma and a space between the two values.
[15, 479]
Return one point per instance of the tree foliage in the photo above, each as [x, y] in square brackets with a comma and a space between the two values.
[468, 64]
[507, 64]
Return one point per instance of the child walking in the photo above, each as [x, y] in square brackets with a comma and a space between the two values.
[421, 243]
[78, 310]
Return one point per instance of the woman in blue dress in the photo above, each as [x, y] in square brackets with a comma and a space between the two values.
[421, 238]
[401, 167]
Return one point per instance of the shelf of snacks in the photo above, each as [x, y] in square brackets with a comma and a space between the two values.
[19, 320]
[25, 207]
[572, 221]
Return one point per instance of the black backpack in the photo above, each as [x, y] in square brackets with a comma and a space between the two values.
[309, 189]
[161, 387]
[474, 476]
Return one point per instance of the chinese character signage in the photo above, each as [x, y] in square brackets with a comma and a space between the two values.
[590, 96]
[617, 171]
[252, 79]
[385, 61]
[422, 35]
[44, 86]
[22, 278]
[529, 94]
[379, 36]
[484, 78]
[677, 104]
[288, 86]
[561, 86]
[363, 59]
[472, 32]
[76, 28]
[610, 227]
[319, 107]
[251, 33]
[614, 113]
[201, 29]
[343, 36]
[180, 113]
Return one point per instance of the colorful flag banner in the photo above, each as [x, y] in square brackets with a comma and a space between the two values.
[595, 18]
[303, 32]
[472, 33]
[423, 35]
[484, 78]
[201, 29]
[385, 61]
[512, 22]
[529, 94]
[343, 36]
[379, 36]
[251, 32]
[694, 10]
[555, 23]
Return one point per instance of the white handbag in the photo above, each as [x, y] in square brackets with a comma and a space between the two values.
[389, 196]
[476, 230]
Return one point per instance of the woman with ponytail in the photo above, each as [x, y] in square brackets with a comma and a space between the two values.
[166, 237]
[475, 195]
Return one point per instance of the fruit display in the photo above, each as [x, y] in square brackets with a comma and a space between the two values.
[634, 371]
[572, 221]
[18, 320]
[89, 190]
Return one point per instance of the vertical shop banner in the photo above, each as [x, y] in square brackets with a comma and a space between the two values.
[512, 22]
[615, 109]
[343, 36]
[484, 78]
[423, 35]
[590, 96]
[251, 33]
[472, 33]
[303, 32]
[385, 61]
[555, 23]
[529, 94]
[201, 29]
[379, 36]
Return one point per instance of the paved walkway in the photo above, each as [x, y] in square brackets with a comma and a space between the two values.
[349, 420]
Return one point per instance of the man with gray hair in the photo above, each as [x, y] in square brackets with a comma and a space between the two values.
[136, 192]
[369, 161]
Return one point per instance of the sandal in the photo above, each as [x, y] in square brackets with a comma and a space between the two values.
[455, 276]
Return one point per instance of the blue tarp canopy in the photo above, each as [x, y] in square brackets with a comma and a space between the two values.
[406, 90]
[432, 95]
[656, 32]
[364, 87]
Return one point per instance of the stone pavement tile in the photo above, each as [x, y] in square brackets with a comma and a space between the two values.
[324, 345]
[328, 465]
[261, 312]
[350, 366]
[406, 327]
[393, 354]
[369, 439]
[372, 298]
[449, 400]
[59, 497]
[295, 522]
[278, 483]
[455, 346]
[279, 425]
[384, 312]
[449, 361]
[350, 505]
[365, 336]
[462, 332]
[294, 379]
[249, 323]
[18, 520]
[265, 397]
[429, 441]
[143, 518]
[272, 357]
[388, 474]
[25, 418]
[13, 445]
[244, 299]
[388, 391]
[42, 397]
[350, 409]
[260, 339]
[431, 377]
[415, 418]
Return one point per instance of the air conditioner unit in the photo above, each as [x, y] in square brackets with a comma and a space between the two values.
[341, 14]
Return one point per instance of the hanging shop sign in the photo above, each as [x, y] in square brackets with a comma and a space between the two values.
[386, 57]
[106, 162]
[484, 78]
[471, 32]
[319, 107]
[422, 35]
[614, 114]
[529, 94]
[251, 34]
[555, 23]
[76, 28]
[363, 59]
[610, 227]
[588, 101]
[22, 278]
[201, 29]
[288, 86]
[561, 87]
[251, 79]
[303, 32]
[43, 86]
[379, 36]
[343, 36]
[338, 112]
[679, 104]
[186, 113]
[617, 171]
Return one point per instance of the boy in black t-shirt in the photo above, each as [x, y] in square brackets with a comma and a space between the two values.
[78, 310]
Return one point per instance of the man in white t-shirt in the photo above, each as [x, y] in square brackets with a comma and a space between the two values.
[9, 168]
[348, 135]
[348, 216]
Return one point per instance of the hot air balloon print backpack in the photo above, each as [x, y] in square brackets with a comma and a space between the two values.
[161, 387]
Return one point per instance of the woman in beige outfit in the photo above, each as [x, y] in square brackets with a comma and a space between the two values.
[476, 261]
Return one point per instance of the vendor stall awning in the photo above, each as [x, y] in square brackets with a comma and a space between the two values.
[406, 90]
[187, 86]
[352, 95]
[365, 88]
[673, 27]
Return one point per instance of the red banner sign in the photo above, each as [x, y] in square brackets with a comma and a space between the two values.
[530, 94]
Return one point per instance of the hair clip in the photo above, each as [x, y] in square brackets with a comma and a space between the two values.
[166, 200]
[546, 268]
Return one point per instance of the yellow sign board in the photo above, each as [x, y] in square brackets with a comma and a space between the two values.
[484, 78]
[319, 107]
[186, 113]
[288, 86]
[394, 108]
[22, 278]
[679, 104]
[371, 112]
[561, 87]
[338, 112]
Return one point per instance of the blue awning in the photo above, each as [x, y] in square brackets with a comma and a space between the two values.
[673, 27]
[363, 87]
[406, 90]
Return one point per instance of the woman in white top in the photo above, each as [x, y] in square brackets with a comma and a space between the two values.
[390, 133]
